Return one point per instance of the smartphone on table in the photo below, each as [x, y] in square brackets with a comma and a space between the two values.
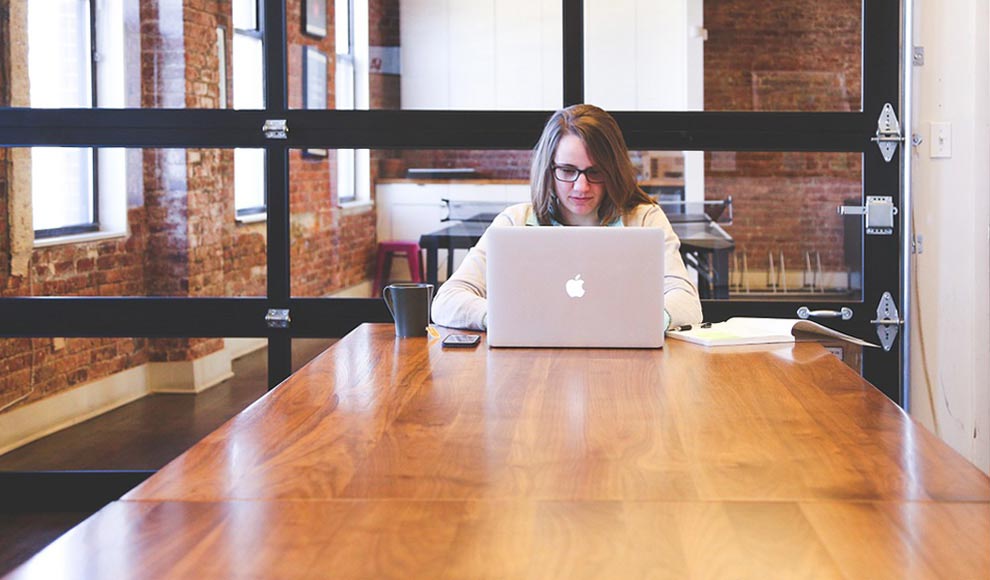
[461, 340]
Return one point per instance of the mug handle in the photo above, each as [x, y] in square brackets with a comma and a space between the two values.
[387, 296]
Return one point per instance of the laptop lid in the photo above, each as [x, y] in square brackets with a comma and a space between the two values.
[575, 287]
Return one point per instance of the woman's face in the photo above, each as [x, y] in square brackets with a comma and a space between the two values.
[577, 202]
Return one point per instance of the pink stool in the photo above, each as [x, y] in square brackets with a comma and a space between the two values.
[383, 263]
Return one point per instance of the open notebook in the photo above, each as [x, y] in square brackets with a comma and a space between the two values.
[741, 330]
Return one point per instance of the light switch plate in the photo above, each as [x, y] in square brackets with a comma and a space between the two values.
[941, 140]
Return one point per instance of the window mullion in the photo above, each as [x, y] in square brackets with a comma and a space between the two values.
[573, 51]
[277, 186]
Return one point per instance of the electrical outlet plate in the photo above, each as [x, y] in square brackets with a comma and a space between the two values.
[941, 140]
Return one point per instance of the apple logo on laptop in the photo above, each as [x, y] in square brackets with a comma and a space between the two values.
[575, 287]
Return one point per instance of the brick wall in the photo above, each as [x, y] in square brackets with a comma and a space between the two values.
[183, 239]
[209, 172]
[784, 55]
[6, 53]
[800, 42]
[39, 367]
[383, 24]
[330, 249]
[494, 164]
[384, 89]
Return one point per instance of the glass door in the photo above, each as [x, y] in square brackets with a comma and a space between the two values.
[254, 175]
[752, 123]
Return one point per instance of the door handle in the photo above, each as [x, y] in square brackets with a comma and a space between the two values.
[845, 313]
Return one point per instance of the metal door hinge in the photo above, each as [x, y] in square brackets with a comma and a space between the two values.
[888, 132]
[887, 321]
[879, 211]
[276, 129]
[278, 318]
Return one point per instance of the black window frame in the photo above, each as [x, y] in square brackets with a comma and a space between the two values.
[412, 129]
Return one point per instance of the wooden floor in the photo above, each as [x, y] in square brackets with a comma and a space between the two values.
[145, 434]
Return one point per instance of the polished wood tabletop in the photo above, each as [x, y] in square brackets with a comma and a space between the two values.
[388, 457]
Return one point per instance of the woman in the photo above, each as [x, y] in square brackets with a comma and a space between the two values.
[580, 176]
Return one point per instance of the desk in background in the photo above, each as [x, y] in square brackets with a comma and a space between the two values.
[455, 236]
[704, 245]
[387, 458]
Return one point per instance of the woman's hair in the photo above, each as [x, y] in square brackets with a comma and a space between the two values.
[607, 148]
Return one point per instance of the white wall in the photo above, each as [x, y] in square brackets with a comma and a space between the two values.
[636, 55]
[951, 339]
[644, 55]
[640, 55]
[481, 54]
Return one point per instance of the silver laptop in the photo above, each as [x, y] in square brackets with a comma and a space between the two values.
[592, 287]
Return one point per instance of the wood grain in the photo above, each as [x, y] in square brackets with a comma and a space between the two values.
[376, 417]
[395, 458]
[523, 539]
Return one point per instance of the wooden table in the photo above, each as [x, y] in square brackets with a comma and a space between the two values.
[396, 458]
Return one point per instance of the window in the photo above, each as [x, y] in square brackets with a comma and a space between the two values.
[61, 73]
[351, 88]
[249, 93]
[77, 190]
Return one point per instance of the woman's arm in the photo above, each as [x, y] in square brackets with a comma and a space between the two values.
[461, 302]
[680, 296]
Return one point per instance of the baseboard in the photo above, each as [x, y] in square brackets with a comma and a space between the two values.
[359, 290]
[191, 376]
[36, 420]
[238, 347]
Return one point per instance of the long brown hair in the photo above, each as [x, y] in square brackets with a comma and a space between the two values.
[607, 148]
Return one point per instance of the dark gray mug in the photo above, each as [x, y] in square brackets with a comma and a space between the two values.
[409, 303]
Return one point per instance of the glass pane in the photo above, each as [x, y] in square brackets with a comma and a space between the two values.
[330, 244]
[246, 14]
[435, 54]
[167, 227]
[59, 66]
[342, 25]
[249, 80]
[154, 406]
[763, 225]
[62, 187]
[399, 196]
[725, 55]
[345, 82]
[249, 181]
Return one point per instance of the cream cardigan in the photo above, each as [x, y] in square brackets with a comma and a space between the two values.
[460, 301]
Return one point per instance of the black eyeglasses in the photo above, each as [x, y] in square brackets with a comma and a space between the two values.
[571, 174]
